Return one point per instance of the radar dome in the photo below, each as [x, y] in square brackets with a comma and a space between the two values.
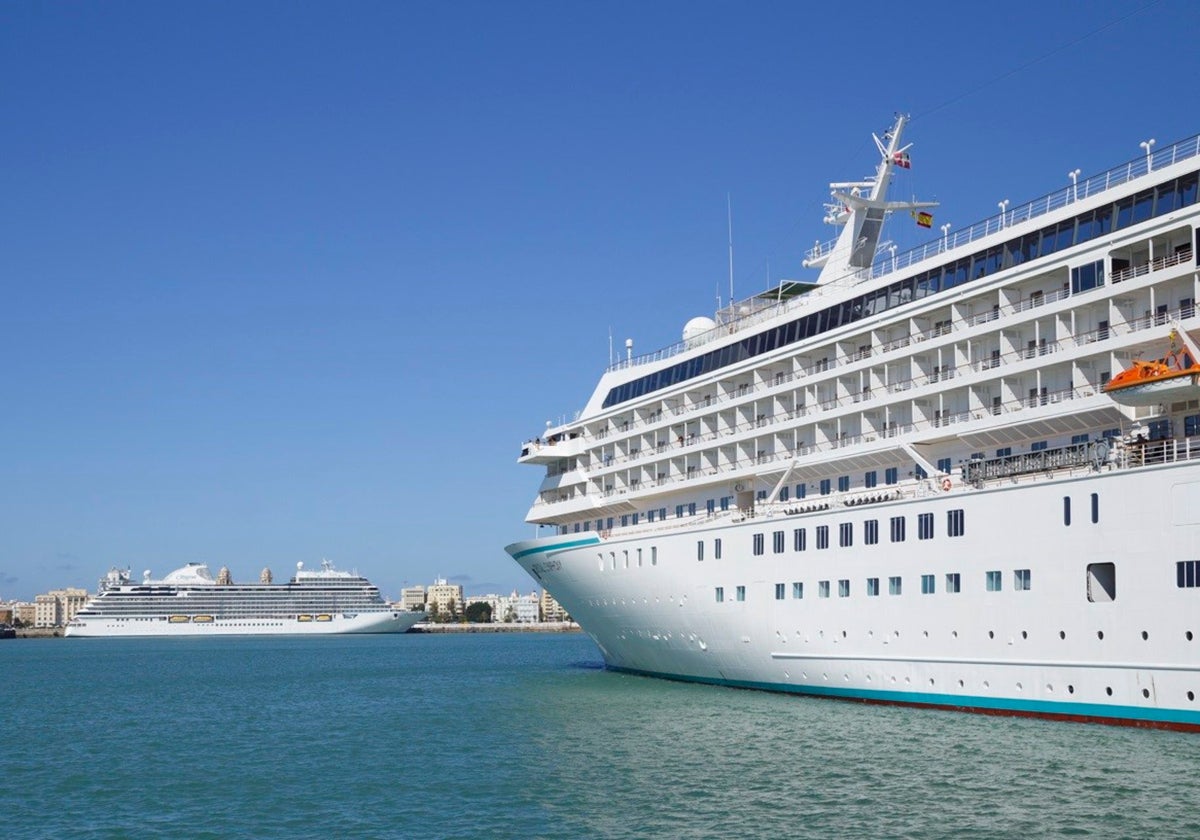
[695, 328]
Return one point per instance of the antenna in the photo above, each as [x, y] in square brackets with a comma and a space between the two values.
[729, 212]
[610, 356]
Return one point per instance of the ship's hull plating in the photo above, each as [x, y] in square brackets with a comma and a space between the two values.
[337, 624]
[1075, 644]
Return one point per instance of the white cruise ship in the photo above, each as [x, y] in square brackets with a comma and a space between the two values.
[190, 602]
[911, 481]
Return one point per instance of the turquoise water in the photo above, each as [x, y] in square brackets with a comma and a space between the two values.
[526, 736]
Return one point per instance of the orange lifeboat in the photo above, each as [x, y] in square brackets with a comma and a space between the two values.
[1176, 376]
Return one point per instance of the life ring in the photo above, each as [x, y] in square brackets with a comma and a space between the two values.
[946, 485]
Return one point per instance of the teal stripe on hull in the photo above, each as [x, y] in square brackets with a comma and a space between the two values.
[1130, 715]
[555, 547]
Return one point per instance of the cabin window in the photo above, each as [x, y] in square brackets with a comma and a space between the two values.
[1102, 582]
[717, 549]
[955, 525]
[700, 550]
[894, 585]
[928, 585]
[780, 590]
[953, 582]
[758, 544]
[777, 542]
[870, 479]
[1187, 574]
[823, 589]
[843, 483]
[993, 581]
[846, 534]
[844, 588]
[741, 593]
[871, 531]
[826, 486]
[1066, 510]
[1021, 580]
[872, 587]
[891, 475]
[1095, 508]
[720, 592]
[897, 529]
[822, 536]
[797, 590]
[799, 539]
[924, 526]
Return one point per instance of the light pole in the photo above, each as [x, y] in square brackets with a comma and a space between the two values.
[1003, 207]
[1148, 145]
[945, 228]
[1074, 176]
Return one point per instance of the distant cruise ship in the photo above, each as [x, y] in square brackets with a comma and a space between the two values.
[963, 476]
[189, 602]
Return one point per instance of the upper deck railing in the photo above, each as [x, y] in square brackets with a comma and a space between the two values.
[734, 319]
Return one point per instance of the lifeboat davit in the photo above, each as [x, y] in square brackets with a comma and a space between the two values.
[1176, 376]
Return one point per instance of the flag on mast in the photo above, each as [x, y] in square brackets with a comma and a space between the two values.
[901, 159]
[925, 220]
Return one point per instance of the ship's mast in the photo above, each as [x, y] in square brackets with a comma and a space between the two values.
[862, 206]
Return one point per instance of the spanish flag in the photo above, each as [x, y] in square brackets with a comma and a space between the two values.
[925, 220]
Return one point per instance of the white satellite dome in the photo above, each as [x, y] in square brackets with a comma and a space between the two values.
[695, 328]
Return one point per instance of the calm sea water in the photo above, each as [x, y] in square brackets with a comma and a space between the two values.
[526, 736]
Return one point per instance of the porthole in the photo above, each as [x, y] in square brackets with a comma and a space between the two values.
[894, 680]
[960, 684]
[991, 634]
[1020, 687]
[1108, 690]
[1146, 693]
[1062, 634]
[1145, 636]
[1188, 635]
[931, 680]
[1024, 634]
[926, 632]
[846, 677]
[1049, 688]
[843, 634]
[987, 684]
[1191, 695]
[954, 633]
[1070, 689]
[868, 677]
[1100, 635]
[825, 677]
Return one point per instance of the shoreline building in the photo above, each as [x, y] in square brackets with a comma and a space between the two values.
[57, 607]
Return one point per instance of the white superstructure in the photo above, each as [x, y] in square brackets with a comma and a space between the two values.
[190, 602]
[904, 482]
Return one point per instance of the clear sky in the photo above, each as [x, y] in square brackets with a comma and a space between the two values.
[291, 280]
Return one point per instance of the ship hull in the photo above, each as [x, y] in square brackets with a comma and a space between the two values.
[1061, 648]
[380, 622]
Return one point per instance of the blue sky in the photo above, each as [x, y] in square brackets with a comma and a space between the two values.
[284, 281]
